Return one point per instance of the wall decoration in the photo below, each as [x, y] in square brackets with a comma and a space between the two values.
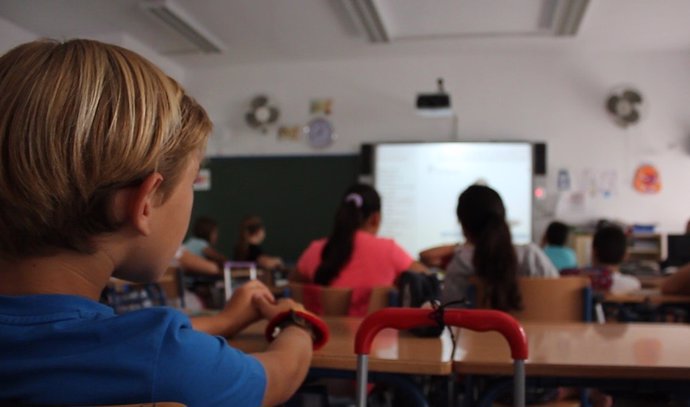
[319, 132]
[321, 106]
[625, 105]
[290, 133]
[202, 182]
[608, 179]
[588, 183]
[261, 114]
[647, 179]
[563, 181]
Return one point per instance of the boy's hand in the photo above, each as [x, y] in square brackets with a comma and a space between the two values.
[239, 312]
[241, 305]
[269, 309]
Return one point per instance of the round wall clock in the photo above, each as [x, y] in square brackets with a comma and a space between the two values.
[319, 133]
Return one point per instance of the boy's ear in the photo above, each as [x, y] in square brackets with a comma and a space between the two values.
[143, 201]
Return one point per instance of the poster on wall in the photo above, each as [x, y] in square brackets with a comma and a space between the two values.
[563, 181]
[597, 183]
[647, 179]
[608, 179]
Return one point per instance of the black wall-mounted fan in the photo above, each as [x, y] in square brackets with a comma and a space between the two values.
[625, 105]
[261, 114]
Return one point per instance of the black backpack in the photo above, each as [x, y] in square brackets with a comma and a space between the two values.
[415, 289]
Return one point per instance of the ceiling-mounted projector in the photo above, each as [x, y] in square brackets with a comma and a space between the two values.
[434, 104]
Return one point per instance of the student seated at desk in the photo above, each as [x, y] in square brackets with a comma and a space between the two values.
[609, 247]
[353, 256]
[248, 247]
[105, 149]
[490, 254]
[555, 237]
[204, 239]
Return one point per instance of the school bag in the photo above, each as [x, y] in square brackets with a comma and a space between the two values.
[416, 289]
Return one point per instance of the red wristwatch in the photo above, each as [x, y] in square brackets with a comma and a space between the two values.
[316, 327]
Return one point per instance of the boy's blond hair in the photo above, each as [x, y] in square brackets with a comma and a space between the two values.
[78, 121]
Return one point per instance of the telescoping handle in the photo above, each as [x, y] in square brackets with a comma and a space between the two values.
[476, 320]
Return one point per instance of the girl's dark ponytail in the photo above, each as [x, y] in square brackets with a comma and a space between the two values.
[358, 204]
[482, 216]
[496, 264]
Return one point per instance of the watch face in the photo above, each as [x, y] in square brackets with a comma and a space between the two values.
[320, 133]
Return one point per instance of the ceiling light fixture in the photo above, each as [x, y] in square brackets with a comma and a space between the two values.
[365, 15]
[177, 19]
[562, 17]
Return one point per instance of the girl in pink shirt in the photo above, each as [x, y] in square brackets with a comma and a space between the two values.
[353, 256]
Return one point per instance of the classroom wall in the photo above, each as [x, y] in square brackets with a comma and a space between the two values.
[551, 95]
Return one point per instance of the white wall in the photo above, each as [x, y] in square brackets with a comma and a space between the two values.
[551, 96]
[12, 35]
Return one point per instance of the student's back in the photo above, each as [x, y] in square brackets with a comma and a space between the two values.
[490, 254]
[353, 256]
[555, 238]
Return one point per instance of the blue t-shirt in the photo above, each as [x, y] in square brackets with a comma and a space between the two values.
[67, 350]
[562, 257]
[196, 245]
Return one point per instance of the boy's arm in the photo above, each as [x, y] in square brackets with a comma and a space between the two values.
[287, 359]
[197, 264]
[214, 255]
[269, 262]
[677, 283]
[437, 256]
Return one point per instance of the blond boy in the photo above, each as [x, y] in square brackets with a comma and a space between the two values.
[99, 150]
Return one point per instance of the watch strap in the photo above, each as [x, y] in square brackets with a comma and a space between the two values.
[316, 326]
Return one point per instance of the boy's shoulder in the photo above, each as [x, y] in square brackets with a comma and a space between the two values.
[151, 354]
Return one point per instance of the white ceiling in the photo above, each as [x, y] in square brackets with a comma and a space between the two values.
[262, 31]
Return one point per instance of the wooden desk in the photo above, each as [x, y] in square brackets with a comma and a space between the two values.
[651, 281]
[647, 295]
[580, 350]
[392, 351]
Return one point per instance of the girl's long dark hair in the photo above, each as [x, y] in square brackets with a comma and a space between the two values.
[483, 218]
[358, 203]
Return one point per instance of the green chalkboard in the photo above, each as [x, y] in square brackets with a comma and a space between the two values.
[295, 196]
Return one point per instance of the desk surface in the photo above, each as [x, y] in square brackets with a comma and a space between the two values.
[651, 281]
[392, 351]
[647, 295]
[644, 351]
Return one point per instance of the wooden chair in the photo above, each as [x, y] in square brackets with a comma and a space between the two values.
[335, 301]
[172, 284]
[565, 299]
[126, 296]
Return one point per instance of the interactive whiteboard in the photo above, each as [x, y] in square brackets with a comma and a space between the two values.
[420, 183]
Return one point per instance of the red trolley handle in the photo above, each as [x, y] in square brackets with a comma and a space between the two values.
[475, 320]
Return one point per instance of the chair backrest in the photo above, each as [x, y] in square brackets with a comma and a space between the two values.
[172, 284]
[336, 301]
[565, 299]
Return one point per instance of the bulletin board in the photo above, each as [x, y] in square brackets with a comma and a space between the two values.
[296, 197]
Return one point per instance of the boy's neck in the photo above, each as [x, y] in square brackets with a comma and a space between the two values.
[63, 273]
